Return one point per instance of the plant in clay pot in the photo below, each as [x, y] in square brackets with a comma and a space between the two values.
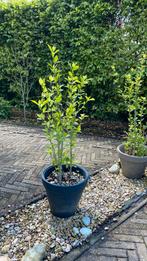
[133, 153]
[62, 106]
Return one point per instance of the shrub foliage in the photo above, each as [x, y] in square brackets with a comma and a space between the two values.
[5, 109]
[98, 35]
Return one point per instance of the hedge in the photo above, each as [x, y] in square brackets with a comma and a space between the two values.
[104, 37]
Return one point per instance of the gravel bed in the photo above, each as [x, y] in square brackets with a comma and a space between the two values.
[105, 194]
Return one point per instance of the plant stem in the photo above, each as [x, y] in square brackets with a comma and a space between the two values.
[71, 155]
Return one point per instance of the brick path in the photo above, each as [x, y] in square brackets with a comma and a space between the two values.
[23, 154]
[128, 242]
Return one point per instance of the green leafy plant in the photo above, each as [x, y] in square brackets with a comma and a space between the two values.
[5, 108]
[96, 34]
[19, 58]
[62, 105]
[135, 142]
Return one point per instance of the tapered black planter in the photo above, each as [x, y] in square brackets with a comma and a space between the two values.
[63, 200]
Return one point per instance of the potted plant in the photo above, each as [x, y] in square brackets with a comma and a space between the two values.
[62, 104]
[133, 153]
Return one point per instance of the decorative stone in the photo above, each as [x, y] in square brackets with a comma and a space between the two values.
[36, 253]
[15, 241]
[106, 228]
[52, 245]
[5, 249]
[76, 243]
[76, 231]
[115, 168]
[86, 220]
[58, 239]
[7, 226]
[28, 238]
[85, 231]
[66, 248]
[53, 256]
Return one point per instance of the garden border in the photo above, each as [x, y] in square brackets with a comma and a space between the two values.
[124, 213]
[120, 216]
[42, 195]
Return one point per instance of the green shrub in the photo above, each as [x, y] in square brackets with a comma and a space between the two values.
[136, 105]
[5, 108]
[95, 34]
[61, 118]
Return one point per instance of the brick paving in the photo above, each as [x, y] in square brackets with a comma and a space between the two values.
[23, 155]
[128, 242]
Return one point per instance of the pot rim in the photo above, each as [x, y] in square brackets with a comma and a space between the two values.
[46, 168]
[121, 146]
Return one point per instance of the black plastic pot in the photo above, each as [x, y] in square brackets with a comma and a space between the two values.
[63, 200]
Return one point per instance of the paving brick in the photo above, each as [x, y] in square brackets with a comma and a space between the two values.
[135, 225]
[13, 198]
[129, 238]
[88, 258]
[8, 190]
[91, 257]
[142, 252]
[119, 244]
[132, 255]
[130, 231]
[140, 221]
[105, 258]
[145, 210]
[145, 240]
[108, 252]
[17, 188]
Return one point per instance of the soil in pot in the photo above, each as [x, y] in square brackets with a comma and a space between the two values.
[67, 178]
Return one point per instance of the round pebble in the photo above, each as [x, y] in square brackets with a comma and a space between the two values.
[85, 231]
[86, 220]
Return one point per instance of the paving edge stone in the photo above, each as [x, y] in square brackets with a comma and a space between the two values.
[125, 213]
